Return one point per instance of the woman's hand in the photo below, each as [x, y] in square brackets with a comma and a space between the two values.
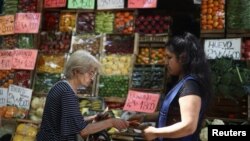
[119, 123]
[149, 133]
[137, 118]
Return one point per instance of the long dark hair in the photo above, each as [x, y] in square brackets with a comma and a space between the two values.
[189, 50]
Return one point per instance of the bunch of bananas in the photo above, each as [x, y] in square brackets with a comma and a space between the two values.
[96, 104]
[85, 103]
[93, 104]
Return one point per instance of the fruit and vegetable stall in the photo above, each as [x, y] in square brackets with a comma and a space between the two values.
[128, 41]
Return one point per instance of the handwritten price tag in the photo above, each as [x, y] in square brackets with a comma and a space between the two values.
[82, 4]
[19, 96]
[6, 59]
[27, 22]
[141, 102]
[7, 25]
[24, 59]
[142, 3]
[223, 48]
[110, 4]
[3, 97]
[55, 3]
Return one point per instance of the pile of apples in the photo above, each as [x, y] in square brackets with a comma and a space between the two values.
[116, 64]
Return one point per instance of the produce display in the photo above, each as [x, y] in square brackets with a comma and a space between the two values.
[89, 42]
[238, 14]
[27, 5]
[119, 44]
[51, 21]
[152, 24]
[67, 21]
[25, 132]
[213, 14]
[116, 64]
[91, 104]
[85, 22]
[44, 81]
[55, 42]
[232, 79]
[9, 42]
[104, 22]
[151, 55]
[25, 41]
[148, 77]
[115, 85]
[6, 78]
[50, 63]
[10, 6]
[246, 49]
[124, 22]
[37, 106]
[14, 112]
[23, 78]
[143, 56]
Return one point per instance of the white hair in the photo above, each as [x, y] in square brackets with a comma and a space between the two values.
[82, 61]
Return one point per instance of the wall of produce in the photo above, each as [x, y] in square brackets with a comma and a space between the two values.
[112, 36]
[230, 82]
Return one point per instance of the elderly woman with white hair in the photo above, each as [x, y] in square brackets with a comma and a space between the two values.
[62, 119]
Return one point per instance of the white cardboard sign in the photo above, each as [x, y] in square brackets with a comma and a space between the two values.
[223, 48]
[3, 97]
[19, 96]
[110, 4]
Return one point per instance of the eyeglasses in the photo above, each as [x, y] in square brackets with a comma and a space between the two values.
[92, 74]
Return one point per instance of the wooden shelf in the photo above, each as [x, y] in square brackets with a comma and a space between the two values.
[214, 31]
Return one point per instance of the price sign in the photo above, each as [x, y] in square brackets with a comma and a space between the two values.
[6, 59]
[141, 102]
[3, 97]
[142, 3]
[27, 22]
[24, 59]
[54, 3]
[223, 48]
[7, 25]
[19, 96]
[110, 4]
[81, 4]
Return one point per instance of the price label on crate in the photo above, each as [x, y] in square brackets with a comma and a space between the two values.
[83, 4]
[7, 25]
[6, 59]
[142, 3]
[55, 3]
[27, 22]
[24, 59]
[3, 97]
[141, 102]
[110, 4]
[19, 96]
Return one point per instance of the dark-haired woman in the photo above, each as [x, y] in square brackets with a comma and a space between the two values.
[182, 110]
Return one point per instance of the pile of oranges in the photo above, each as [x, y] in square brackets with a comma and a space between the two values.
[212, 14]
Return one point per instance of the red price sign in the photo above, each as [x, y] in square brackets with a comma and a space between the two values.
[55, 3]
[24, 59]
[27, 22]
[141, 102]
[142, 3]
[6, 59]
